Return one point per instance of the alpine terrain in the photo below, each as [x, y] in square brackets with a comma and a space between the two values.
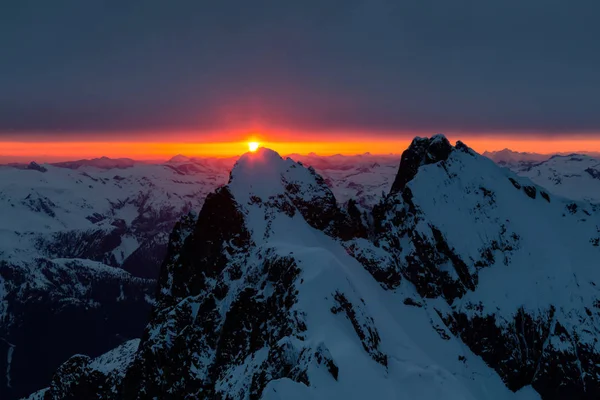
[465, 281]
[575, 176]
[81, 244]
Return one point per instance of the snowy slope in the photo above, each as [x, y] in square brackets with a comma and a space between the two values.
[574, 176]
[511, 269]
[262, 298]
[508, 157]
[120, 213]
[119, 216]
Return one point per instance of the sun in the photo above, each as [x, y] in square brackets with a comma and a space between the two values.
[253, 146]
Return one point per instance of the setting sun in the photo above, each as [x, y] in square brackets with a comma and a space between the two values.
[253, 146]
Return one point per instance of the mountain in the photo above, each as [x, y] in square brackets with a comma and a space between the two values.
[466, 281]
[102, 163]
[573, 176]
[509, 157]
[52, 309]
[120, 217]
[514, 265]
[362, 178]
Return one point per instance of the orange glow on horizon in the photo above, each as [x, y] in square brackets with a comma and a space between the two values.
[57, 151]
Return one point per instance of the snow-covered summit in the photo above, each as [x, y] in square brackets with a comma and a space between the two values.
[259, 173]
[264, 174]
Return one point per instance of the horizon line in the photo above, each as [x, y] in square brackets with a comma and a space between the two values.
[52, 151]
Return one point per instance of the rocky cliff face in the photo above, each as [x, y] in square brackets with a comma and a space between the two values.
[468, 283]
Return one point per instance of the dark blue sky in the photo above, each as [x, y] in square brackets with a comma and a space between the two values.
[382, 66]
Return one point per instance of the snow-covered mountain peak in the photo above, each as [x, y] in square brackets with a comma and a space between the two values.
[266, 186]
[259, 173]
[264, 175]
[424, 151]
[505, 255]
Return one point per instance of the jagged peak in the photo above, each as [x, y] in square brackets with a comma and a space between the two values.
[36, 167]
[423, 151]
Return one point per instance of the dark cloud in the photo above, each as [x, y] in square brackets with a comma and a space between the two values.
[462, 65]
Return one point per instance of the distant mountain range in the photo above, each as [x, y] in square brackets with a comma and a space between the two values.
[509, 157]
[573, 176]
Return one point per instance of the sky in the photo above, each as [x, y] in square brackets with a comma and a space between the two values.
[154, 77]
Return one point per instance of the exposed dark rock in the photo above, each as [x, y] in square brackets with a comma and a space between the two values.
[411, 302]
[422, 268]
[95, 218]
[96, 245]
[41, 204]
[572, 207]
[422, 151]
[323, 213]
[36, 167]
[594, 173]
[220, 228]
[530, 191]
[384, 269]
[515, 183]
[363, 325]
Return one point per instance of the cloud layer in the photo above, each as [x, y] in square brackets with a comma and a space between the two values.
[386, 66]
